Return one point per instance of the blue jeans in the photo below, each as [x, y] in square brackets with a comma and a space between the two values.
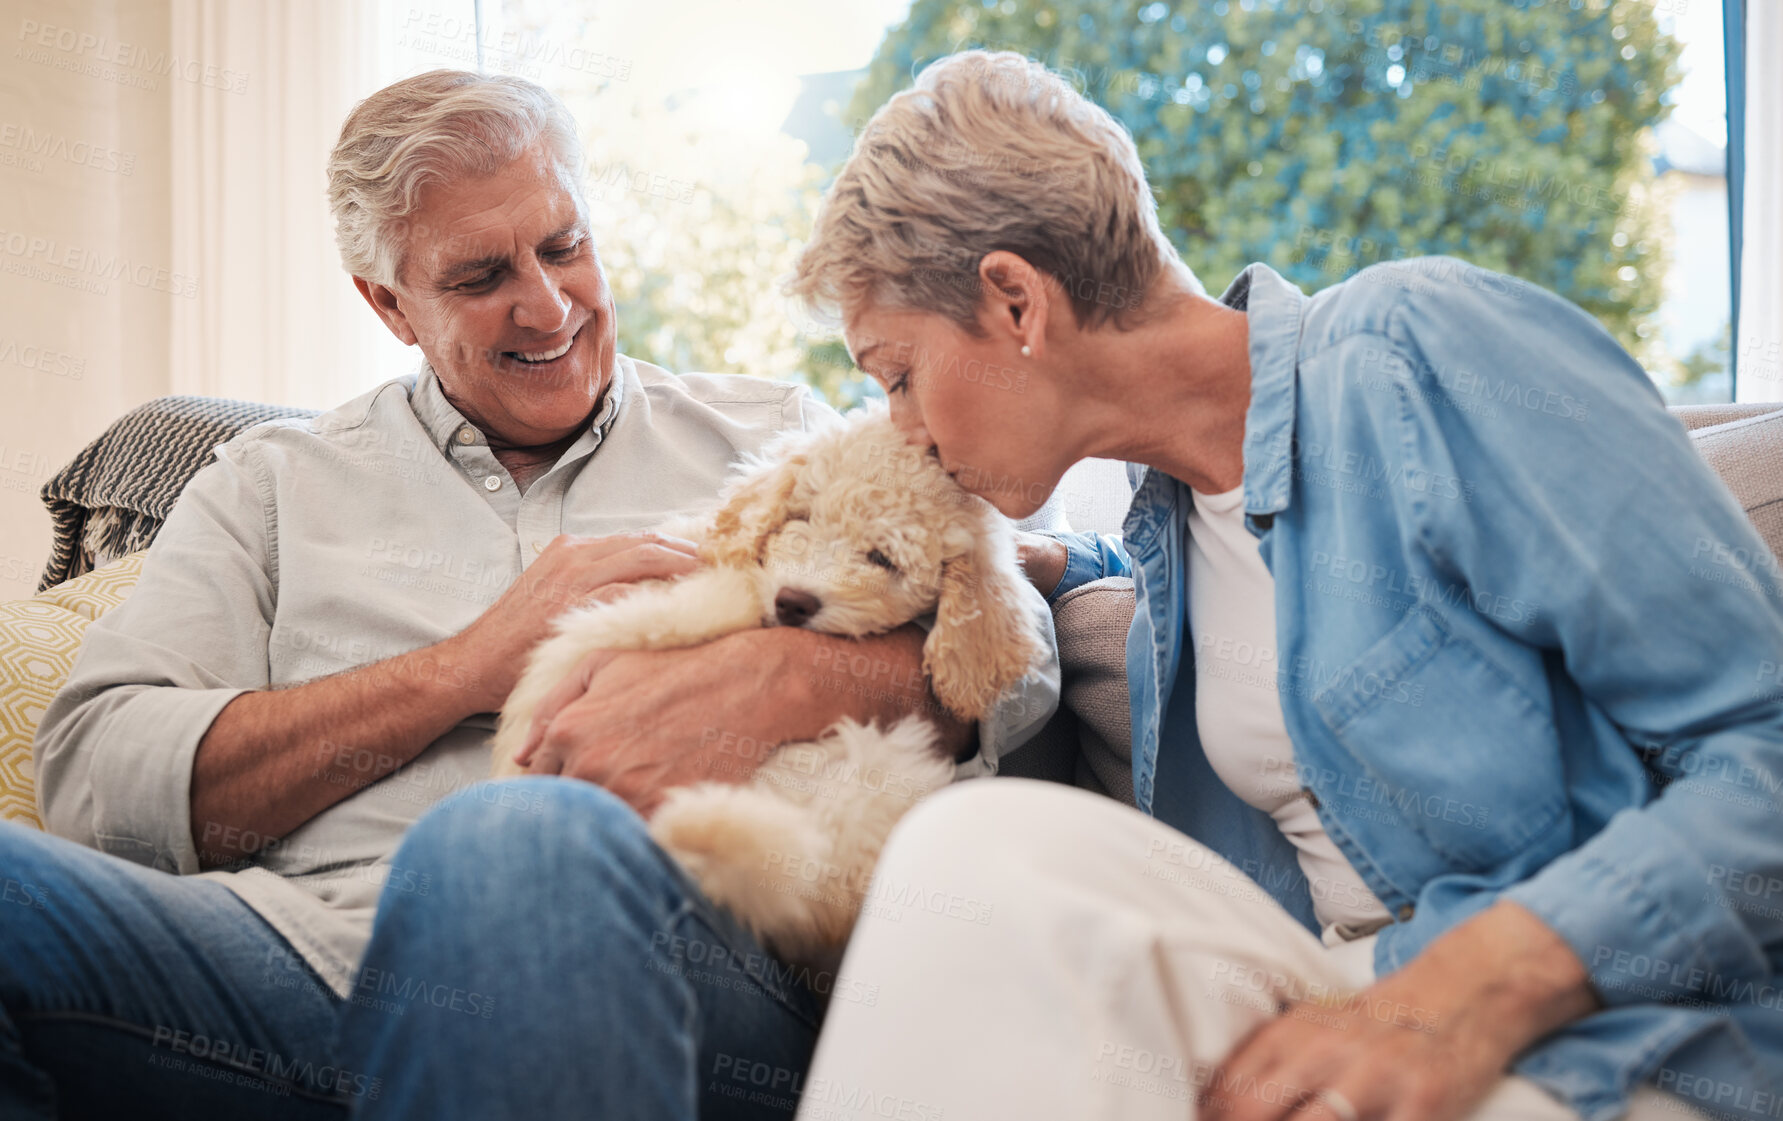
[539, 957]
[126, 992]
[540, 962]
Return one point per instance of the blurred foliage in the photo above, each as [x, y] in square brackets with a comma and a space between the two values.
[695, 222]
[1708, 358]
[1322, 136]
[695, 264]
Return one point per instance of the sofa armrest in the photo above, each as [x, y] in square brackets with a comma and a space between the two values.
[1747, 452]
[1092, 623]
[1708, 416]
[112, 497]
[1089, 741]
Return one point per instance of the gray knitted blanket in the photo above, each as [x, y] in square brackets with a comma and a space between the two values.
[112, 497]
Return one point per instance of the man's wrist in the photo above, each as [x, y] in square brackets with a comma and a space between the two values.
[878, 677]
[447, 678]
[881, 668]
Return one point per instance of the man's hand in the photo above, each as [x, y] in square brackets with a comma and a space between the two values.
[1426, 1043]
[640, 722]
[571, 571]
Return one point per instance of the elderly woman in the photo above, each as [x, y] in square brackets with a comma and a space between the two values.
[1415, 668]
[309, 666]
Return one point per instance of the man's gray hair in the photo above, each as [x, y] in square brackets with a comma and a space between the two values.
[436, 127]
[987, 151]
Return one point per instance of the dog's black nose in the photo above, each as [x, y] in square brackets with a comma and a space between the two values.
[793, 607]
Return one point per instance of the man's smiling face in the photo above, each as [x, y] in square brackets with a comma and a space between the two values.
[503, 291]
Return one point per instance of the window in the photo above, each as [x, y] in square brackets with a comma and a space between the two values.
[1577, 144]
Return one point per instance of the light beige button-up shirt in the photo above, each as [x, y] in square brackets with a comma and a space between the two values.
[386, 525]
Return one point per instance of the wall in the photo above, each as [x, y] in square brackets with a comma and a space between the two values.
[87, 287]
[164, 225]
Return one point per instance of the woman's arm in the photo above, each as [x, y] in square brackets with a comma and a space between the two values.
[1058, 562]
[1428, 1041]
[1662, 605]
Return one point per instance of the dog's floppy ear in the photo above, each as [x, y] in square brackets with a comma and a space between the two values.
[984, 638]
[758, 503]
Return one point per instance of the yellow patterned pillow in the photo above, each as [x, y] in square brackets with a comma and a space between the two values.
[39, 639]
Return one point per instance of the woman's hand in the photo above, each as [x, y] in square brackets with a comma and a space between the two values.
[1426, 1043]
[1042, 558]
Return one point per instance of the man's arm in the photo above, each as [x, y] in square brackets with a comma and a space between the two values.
[167, 746]
[272, 760]
[114, 749]
[638, 722]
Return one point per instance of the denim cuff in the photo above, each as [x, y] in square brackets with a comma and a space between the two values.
[1088, 557]
[1639, 910]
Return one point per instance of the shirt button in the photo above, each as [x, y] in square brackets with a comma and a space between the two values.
[1310, 796]
[467, 435]
[537, 548]
[493, 482]
[1406, 912]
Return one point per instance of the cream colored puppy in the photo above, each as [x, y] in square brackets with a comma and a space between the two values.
[848, 531]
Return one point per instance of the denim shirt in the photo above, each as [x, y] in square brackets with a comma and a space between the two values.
[1530, 648]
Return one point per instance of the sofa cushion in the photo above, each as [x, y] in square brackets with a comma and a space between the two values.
[39, 639]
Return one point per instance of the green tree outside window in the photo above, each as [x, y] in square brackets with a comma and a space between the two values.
[1323, 136]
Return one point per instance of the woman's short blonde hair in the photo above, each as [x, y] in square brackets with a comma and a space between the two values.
[986, 151]
[435, 127]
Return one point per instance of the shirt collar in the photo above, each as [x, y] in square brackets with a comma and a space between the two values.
[1273, 313]
[443, 422]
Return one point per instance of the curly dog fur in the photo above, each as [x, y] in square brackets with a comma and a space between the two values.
[864, 532]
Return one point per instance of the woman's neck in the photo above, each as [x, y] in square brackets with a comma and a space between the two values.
[1170, 393]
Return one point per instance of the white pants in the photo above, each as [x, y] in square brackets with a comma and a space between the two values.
[1030, 950]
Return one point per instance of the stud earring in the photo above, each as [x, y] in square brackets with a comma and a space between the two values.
[1027, 351]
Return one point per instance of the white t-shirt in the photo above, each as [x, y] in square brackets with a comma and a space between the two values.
[1238, 711]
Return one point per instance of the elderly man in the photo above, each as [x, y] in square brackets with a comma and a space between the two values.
[323, 630]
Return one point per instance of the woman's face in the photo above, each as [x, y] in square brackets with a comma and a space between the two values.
[974, 399]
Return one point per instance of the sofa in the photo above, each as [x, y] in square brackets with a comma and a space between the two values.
[109, 501]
